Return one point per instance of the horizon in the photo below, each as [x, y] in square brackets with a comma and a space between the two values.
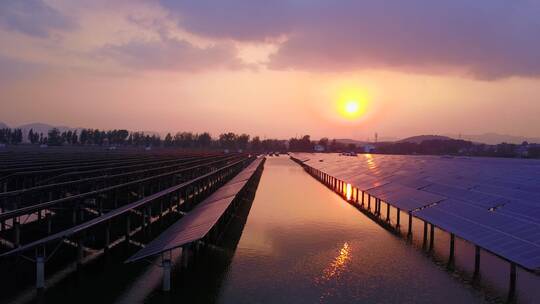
[183, 66]
[480, 138]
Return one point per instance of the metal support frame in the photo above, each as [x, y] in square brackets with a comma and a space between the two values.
[476, 274]
[17, 232]
[40, 272]
[451, 255]
[107, 237]
[431, 237]
[80, 253]
[409, 229]
[166, 264]
[425, 239]
[48, 219]
[512, 283]
[398, 224]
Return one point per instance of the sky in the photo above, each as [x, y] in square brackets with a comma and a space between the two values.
[273, 68]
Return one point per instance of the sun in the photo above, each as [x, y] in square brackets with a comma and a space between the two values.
[352, 107]
[352, 104]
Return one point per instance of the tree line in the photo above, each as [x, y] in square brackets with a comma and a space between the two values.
[11, 136]
[122, 137]
[236, 142]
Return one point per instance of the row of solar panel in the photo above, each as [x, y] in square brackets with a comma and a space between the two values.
[494, 203]
[197, 224]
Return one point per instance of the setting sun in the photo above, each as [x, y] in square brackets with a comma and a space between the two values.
[352, 104]
[352, 107]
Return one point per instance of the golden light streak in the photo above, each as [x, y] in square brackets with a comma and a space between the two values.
[348, 191]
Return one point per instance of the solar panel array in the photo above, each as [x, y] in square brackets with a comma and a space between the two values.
[197, 223]
[491, 202]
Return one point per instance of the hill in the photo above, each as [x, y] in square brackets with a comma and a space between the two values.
[347, 141]
[420, 138]
[41, 128]
[495, 138]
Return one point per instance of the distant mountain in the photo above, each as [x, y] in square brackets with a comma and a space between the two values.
[347, 141]
[420, 138]
[494, 138]
[3, 125]
[42, 128]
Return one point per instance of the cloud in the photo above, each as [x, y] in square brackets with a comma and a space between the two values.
[32, 17]
[487, 39]
[12, 70]
[238, 19]
[173, 54]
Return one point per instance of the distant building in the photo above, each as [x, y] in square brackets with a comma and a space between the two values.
[522, 151]
[369, 148]
[318, 148]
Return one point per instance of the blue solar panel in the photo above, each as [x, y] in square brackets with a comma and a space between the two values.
[494, 203]
[403, 197]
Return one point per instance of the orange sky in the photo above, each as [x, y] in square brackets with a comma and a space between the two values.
[133, 65]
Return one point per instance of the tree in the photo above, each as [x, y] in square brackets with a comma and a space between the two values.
[54, 137]
[5, 135]
[16, 136]
[31, 136]
[256, 144]
[204, 140]
[242, 141]
[227, 140]
[324, 143]
[83, 139]
[302, 144]
[74, 138]
[168, 140]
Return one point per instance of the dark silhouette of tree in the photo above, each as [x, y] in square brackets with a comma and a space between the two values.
[303, 144]
[242, 141]
[16, 136]
[33, 137]
[54, 137]
[204, 140]
[324, 143]
[168, 142]
[256, 144]
[336, 146]
[273, 145]
[227, 140]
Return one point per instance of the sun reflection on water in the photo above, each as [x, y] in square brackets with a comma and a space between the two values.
[333, 271]
[338, 264]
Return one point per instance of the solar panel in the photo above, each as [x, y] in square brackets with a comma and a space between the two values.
[477, 198]
[503, 235]
[494, 203]
[196, 224]
[403, 197]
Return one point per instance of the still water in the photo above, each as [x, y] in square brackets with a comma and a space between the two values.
[303, 244]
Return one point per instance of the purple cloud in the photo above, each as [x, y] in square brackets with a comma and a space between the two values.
[172, 54]
[32, 17]
[239, 19]
[485, 38]
[12, 70]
